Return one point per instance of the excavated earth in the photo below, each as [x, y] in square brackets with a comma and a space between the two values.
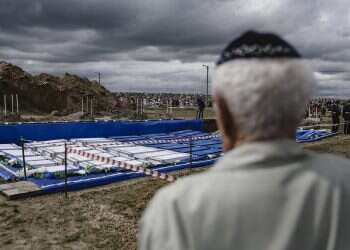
[46, 93]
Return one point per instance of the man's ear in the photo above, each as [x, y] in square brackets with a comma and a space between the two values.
[225, 123]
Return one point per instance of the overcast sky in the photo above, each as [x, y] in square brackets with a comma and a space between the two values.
[161, 45]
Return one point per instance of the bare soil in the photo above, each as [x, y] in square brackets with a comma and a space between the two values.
[98, 218]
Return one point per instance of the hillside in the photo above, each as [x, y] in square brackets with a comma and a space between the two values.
[45, 93]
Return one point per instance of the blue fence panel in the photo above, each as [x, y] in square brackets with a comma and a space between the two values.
[11, 133]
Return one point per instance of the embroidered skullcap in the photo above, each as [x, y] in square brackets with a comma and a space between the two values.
[252, 44]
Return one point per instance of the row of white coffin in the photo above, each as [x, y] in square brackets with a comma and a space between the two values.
[49, 155]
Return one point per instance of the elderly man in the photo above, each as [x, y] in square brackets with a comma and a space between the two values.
[266, 193]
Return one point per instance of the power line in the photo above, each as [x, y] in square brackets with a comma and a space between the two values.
[179, 72]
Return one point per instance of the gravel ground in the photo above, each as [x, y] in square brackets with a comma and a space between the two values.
[98, 218]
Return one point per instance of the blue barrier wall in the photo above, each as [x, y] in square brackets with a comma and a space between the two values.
[12, 133]
[80, 182]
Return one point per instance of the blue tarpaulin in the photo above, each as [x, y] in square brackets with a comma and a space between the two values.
[12, 133]
[80, 182]
[126, 131]
[120, 130]
[311, 135]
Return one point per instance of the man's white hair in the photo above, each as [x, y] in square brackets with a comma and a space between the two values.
[265, 97]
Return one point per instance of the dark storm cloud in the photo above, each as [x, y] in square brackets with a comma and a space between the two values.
[67, 14]
[159, 44]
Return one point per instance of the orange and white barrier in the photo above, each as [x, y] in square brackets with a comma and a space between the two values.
[124, 165]
[145, 142]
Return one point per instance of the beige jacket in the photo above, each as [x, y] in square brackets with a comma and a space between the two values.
[259, 196]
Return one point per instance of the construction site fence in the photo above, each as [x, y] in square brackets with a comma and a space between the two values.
[12, 133]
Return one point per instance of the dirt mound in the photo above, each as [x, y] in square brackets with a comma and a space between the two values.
[44, 93]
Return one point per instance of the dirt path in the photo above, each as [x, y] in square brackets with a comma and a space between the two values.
[99, 218]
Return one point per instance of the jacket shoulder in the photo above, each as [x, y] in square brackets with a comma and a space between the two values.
[332, 167]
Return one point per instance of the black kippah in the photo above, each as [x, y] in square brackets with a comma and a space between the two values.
[257, 45]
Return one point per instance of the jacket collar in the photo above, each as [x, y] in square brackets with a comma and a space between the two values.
[261, 154]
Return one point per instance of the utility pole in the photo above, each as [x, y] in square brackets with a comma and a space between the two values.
[5, 106]
[17, 103]
[91, 106]
[12, 109]
[87, 104]
[207, 97]
[82, 105]
[99, 78]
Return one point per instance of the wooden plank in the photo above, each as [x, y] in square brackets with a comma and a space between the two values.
[21, 189]
[5, 187]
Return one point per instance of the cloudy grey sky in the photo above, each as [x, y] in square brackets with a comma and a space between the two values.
[160, 45]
